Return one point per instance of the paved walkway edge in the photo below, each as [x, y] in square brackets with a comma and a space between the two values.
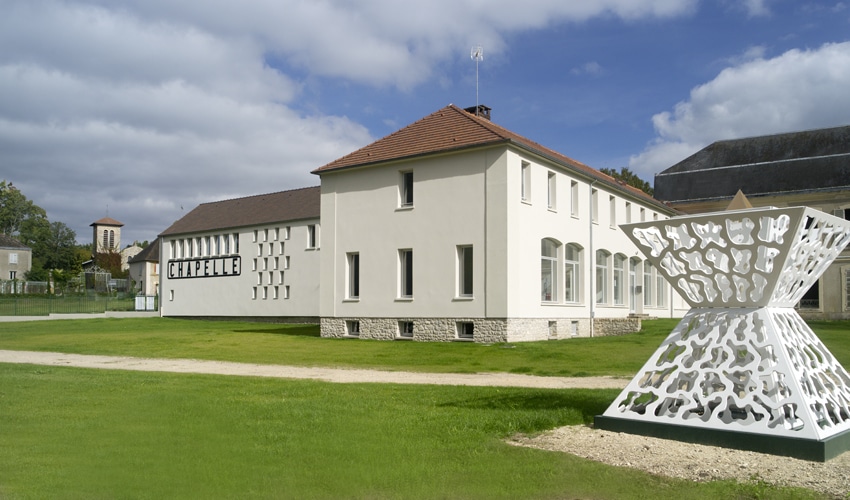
[336, 375]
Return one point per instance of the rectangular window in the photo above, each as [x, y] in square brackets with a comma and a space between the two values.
[601, 277]
[286, 232]
[254, 265]
[286, 292]
[619, 279]
[281, 248]
[594, 205]
[265, 292]
[286, 262]
[464, 271]
[13, 275]
[405, 273]
[465, 330]
[406, 189]
[235, 243]
[574, 199]
[571, 270]
[643, 214]
[312, 236]
[628, 213]
[612, 210]
[405, 329]
[13, 258]
[256, 231]
[254, 293]
[276, 263]
[171, 295]
[525, 179]
[265, 235]
[661, 290]
[551, 192]
[276, 233]
[648, 289]
[353, 261]
[207, 246]
[352, 328]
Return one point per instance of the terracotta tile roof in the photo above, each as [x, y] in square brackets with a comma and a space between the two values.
[9, 242]
[451, 129]
[107, 221]
[296, 204]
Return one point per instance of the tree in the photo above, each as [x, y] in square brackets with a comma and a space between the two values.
[54, 246]
[629, 178]
[15, 208]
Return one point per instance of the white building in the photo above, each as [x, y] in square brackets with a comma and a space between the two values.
[455, 228]
[253, 257]
[144, 269]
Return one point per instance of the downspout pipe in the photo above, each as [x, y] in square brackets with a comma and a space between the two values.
[591, 260]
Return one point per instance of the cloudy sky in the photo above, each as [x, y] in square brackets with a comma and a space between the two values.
[141, 110]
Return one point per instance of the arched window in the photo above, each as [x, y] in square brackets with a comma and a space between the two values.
[572, 268]
[648, 284]
[548, 270]
[619, 278]
[105, 239]
[111, 239]
[602, 276]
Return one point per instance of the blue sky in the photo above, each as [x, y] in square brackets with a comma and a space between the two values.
[150, 108]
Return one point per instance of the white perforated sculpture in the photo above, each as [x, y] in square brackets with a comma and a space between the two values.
[741, 369]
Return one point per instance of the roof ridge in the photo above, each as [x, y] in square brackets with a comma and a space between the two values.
[259, 195]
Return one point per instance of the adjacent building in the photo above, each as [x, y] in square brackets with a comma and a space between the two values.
[254, 257]
[15, 259]
[454, 228]
[143, 269]
[808, 168]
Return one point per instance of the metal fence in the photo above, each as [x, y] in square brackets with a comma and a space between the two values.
[43, 305]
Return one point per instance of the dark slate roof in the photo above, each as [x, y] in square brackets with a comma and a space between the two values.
[454, 129]
[148, 254]
[107, 221]
[812, 160]
[9, 242]
[296, 204]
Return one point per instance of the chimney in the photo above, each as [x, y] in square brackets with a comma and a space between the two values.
[479, 110]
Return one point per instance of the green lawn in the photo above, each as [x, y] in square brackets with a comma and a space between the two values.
[79, 433]
[301, 345]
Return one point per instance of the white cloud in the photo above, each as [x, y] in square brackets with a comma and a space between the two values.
[798, 90]
[591, 68]
[147, 106]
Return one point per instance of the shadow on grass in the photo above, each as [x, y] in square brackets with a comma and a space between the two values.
[290, 330]
[587, 402]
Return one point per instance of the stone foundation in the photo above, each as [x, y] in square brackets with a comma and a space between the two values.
[484, 330]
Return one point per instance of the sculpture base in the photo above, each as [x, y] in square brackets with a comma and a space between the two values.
[804, 449]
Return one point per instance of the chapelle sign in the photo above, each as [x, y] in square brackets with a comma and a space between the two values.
[205, 268]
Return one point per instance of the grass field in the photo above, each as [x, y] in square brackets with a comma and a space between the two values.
[77, 433]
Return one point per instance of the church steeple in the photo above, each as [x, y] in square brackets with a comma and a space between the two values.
[106, 235]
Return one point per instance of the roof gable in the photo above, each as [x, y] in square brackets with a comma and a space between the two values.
[296, 204]
[452, 128]
[9, 242]
[107, 221]
[148, 254]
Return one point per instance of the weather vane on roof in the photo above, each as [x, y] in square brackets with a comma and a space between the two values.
[477, 55]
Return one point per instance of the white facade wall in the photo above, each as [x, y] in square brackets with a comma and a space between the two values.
[278, 272]
[146, 276]
[473, 198]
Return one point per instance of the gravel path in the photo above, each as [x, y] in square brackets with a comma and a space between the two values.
[656, 456]
[692, 461]
[337, 375]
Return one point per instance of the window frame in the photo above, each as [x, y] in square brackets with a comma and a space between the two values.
[405, 273]
[525, 181]
[551, 262]
[551, 191]
[601, 276]
[405, 189]
[572, 284]
[465, 271]
[352, 288]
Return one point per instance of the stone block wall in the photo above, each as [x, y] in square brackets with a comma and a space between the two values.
[484, 330]
[609, 327]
